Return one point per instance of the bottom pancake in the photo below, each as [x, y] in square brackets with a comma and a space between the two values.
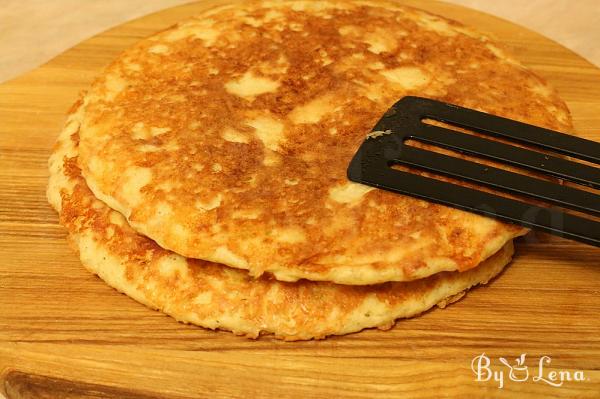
[217, 297]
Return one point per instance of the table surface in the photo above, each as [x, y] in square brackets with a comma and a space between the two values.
[35, 31]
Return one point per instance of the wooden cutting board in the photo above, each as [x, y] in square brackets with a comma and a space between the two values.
[65, 334]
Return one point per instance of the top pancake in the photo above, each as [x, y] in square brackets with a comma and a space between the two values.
[227, 137]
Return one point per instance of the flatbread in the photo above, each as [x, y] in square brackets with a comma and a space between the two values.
[227, 137]
[219, 297]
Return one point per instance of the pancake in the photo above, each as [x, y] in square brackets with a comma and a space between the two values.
[218, 297]
[227, 137]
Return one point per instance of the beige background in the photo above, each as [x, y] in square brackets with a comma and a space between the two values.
[34, 31]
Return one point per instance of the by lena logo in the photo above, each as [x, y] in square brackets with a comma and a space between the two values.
[519, 371]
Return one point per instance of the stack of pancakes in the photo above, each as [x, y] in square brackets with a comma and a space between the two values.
[204, 172]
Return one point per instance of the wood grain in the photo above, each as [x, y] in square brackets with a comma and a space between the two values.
[64, 333]
[32, 386]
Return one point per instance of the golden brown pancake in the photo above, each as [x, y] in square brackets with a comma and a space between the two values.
[227, 137]
[216, 296]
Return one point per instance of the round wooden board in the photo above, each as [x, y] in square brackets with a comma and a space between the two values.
[64, 333]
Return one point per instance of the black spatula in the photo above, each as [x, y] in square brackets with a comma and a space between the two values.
[386, 147]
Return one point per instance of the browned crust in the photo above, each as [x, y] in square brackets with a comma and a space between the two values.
[337, 235]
